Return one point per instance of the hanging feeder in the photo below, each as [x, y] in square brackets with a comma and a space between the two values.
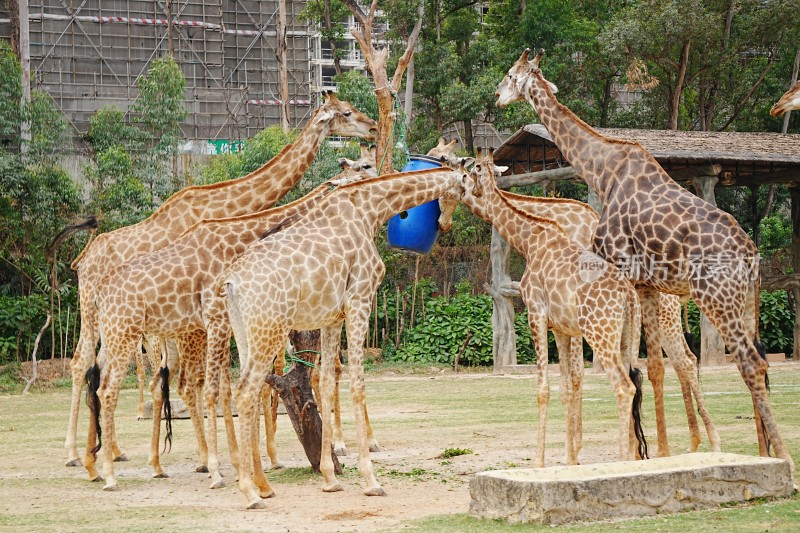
[416, 229]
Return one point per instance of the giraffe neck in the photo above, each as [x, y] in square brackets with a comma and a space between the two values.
[577, 219]
[586, 150]
[385, 196]
[528, 234]
[256, 191]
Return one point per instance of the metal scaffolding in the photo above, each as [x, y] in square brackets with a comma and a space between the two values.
[88, 54]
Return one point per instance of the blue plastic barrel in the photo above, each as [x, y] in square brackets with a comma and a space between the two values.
[416, 229]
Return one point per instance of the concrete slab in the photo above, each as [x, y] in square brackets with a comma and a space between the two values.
[561, 494]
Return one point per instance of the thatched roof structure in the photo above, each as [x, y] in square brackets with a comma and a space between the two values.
[737, 158]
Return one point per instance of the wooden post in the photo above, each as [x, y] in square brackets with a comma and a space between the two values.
[794, 195]
[712, 348]
[504, 340]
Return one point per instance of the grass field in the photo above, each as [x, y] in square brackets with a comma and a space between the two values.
[435, 428]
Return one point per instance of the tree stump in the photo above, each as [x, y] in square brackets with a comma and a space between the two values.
[294, 388]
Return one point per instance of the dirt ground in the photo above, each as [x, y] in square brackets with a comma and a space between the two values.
[415, 417]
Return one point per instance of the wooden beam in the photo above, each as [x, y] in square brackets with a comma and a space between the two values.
[682, 174]
[568, 173]
[531, 178]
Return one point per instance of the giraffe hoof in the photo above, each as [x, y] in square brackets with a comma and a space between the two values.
[74, 462]
[268, 493]
[258, 504]
[375, 491]
[374, 447]
[202, 469]
[340, 451]
[121, 458]
[96, 479]
[111, 488]
[160, 475]
[220, 483]
[277, 466]
[332, 487]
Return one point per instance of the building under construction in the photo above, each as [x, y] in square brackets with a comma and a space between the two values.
[88, 54]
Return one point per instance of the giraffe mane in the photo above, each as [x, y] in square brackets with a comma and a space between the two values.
[532, 218]
[564, 109]
[550, 200]
[280, 226]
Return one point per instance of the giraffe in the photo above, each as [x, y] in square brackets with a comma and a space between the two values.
[573, 292]
[445, 150]
[315, 274]
[169, 293]
[790, 101]
[667, 239]
[579, 221]
[258, 190]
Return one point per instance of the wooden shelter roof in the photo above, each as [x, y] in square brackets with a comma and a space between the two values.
[738, 158]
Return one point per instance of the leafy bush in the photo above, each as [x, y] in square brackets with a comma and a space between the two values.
[440, 337]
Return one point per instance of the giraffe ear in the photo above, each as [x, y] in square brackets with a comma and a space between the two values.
[344, 163]
[552, 86]
[499, 169]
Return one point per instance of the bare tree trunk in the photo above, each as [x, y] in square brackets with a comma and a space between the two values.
[795, 69]
[34, 363]
[676, 97]
[408, 106]
[25, 63]
[280, 52]
[385, 90]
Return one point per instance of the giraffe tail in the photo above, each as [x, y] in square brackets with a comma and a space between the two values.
[164, 374]
[636, 412]
[93, 402]
[634, 330]
[89, 223]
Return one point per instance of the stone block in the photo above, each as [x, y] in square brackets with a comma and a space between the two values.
[562, 494]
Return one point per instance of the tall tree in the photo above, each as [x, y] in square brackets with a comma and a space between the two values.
[385, 90]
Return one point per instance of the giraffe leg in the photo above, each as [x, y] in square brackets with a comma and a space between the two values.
[624, 391]
[339, 447]
[227, 412]
[649, 299]
[140, 378]
[567, 396]
[112, 378]
[155, 433]
[192, 354]
[260, 480]
[217, 345]
[247, 391]
[727, 318]
[83, 358]
[576, 373]
[329, 340]
[271, 414]
[538, 324]
[357, 326]
[685, 364]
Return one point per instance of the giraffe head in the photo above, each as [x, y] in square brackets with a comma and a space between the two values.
[484, 172]
[366, 163]
[515, 85]
[790, 101]
[338, 117]
[444, 149]
[450, 200]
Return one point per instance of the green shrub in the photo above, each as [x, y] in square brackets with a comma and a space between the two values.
[440, 337]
